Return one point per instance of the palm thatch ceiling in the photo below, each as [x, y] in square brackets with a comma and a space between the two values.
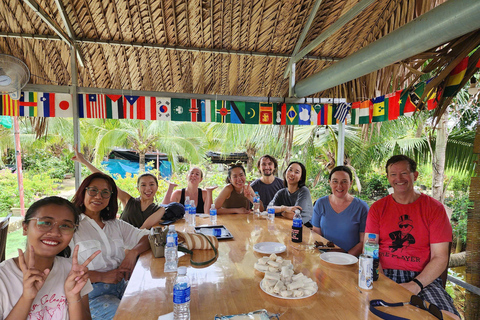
[231, 47]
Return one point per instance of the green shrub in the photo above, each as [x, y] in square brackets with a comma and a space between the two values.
[41, 161]
[374, 185]
[459, 203]
[460, 180]
[35, 186]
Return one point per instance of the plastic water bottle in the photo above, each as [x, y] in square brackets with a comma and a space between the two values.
[171, 248]
[271, 213]
[371, 249]
[256, 204]
[297, 229]
[181, 295]
[213, 215]
[193, 213]
[187, 210]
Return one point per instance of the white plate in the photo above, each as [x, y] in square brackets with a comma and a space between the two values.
[279, 296]
[339, 258]
[269, 247]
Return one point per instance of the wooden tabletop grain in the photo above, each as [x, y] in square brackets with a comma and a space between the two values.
[231, 285]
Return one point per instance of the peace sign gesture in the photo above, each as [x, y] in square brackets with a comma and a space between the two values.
[33, 279]
[78, 275]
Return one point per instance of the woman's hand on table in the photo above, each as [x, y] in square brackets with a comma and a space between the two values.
[293, 208]
[113, 276]
[128, 264]
[289, 212]
[243, 211]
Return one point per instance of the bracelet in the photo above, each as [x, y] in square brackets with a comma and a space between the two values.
[418, 283]
[69, 303]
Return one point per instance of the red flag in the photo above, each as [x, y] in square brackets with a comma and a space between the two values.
[266, 113]
[193, 110]
[393, 103]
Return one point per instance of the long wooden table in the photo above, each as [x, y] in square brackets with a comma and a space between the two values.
[230, 285]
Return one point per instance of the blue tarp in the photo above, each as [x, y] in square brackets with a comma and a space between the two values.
[121, 167]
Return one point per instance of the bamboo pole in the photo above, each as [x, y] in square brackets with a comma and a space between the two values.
[472, 303]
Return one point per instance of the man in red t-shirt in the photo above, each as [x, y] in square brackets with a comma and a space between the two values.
[414, 234]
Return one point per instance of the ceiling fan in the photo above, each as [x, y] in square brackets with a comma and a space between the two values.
[14, 75]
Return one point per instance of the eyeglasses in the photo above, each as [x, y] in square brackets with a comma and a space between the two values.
[432, 309]
[404, 226]
[105, 193]
[47, 224]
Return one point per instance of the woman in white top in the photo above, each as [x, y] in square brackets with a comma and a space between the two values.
[43, 283]
[120, 242]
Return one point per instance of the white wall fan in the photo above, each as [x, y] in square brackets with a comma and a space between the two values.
[14, 75]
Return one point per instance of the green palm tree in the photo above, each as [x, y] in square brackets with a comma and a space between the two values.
[173, 138]
[227, 138]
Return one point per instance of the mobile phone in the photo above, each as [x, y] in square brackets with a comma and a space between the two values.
[166, 222]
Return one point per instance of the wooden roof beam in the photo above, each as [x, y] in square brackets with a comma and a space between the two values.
[443, 23]
[312, 15]
[334, 27]
[164, 47]
[69, 28]
[50, 22]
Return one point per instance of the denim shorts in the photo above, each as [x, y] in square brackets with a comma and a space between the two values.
[105, 298]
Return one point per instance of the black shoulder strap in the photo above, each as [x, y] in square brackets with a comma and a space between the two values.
[203, 263]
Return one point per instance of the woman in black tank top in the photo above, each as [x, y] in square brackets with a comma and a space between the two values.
[202, 197]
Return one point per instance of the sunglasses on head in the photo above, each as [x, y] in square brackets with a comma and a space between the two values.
[415, 301]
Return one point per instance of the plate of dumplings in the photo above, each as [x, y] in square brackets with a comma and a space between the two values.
[281, 281]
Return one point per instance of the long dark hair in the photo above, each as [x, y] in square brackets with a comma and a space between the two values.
[110, 211]
[231, 167]
[32, 211]
[303, 178]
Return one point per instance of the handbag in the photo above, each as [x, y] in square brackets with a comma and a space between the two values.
[158, 240]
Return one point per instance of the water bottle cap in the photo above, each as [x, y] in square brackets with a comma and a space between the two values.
[182, 270]
[371, 236]
[171, 227]
[212, 206]
[187, 198]
[192, 203]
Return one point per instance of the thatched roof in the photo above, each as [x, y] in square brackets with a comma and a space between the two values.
[207, 47]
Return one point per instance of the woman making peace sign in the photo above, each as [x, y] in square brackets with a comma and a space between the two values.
[42, 283]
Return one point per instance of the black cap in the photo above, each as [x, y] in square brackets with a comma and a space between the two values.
[173, 211]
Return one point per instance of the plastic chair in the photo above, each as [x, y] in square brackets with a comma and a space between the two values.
[3, 235]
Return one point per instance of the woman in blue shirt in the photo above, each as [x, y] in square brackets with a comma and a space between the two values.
[340, 217]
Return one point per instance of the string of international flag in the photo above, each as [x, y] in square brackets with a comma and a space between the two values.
[109, 106]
